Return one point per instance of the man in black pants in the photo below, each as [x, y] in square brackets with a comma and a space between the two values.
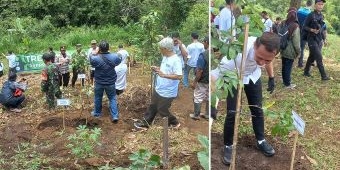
[314, 25]
[261, 52]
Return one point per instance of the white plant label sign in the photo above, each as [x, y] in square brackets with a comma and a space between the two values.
[298, 122]
[63, 102]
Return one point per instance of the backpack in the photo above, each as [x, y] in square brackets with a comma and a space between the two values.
[284, 36]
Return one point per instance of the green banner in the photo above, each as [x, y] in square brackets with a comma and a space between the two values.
[32, 62]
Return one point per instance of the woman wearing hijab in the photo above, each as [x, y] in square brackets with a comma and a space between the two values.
[292, 50]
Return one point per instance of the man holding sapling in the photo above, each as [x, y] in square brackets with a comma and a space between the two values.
[166, 89]
[260, 53]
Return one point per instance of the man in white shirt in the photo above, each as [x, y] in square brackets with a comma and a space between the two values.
[11, 61]
[260, 53]
[194, 50]
[267, 22]
[166, 88]
[121, 70]
[180, 50]
[93, 51]
[227, 20]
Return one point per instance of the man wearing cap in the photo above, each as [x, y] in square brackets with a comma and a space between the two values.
[121, 70]
[314, 25]
[63, 62]
[201, 82]
[93, 51]
[79, 63]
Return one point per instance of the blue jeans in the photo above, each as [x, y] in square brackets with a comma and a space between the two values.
[302, 45]
[187, 69]
[110, 91]
[287, 65]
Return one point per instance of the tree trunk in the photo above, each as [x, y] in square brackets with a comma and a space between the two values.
[295, 3]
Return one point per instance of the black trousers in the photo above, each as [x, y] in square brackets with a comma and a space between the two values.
[315, 54]
[64, 79]
[160, 105]
[14, 102]
[75, 73]
[254, 96]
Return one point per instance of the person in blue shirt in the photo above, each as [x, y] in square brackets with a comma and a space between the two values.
[302, 14]
[169, 75]
[105, 79]
[201, 83]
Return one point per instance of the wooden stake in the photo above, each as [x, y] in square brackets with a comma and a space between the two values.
[165, 143]
[239, 94]
[129, 68]
[64, 118]
[294, 150]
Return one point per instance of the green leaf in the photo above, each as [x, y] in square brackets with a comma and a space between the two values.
[203, 158]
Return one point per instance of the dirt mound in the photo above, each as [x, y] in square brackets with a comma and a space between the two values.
[249, 158]
[57, 123]
[135, 99]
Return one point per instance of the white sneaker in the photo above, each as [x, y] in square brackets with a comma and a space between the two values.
[291, 86]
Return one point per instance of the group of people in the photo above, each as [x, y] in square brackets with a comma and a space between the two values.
[301, 27]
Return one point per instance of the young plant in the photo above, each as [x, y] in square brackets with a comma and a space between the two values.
[141, 160]
[203, 156]
[82, 143]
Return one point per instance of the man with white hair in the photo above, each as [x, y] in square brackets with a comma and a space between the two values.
[169, 75]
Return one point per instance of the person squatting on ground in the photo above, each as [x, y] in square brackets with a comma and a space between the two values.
[314, 25]
[292, 51]
[302, 14]
[194, 50]
[50, 80]
[79, 63]
[93, 51]
[12, 93]
[105, 79]
[63, 62]
[169, 75]
[201, 83]
[121, 70]
[260, 52]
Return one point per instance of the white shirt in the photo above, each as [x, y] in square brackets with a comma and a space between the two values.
[121, 70]
[194, 50]
[252, 70]
[11, 60]
[177, 51]
[167, 87]
[124, 55]
[226, 19]
[92, 52]
[1, 67]
[217, 20]
[268, 24]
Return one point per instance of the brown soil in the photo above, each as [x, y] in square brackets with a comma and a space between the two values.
[44, 129]
[249, 158]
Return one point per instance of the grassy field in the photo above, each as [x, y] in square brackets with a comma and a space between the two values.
[316, 101]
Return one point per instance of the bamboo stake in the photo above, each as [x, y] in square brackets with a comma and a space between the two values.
[165, 143]
[294, 150]
[239, 94]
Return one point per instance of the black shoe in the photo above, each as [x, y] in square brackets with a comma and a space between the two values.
[141, 125]
[115, 121]
[325, 78]
[227, 153]
[265, 148]
[307, 74]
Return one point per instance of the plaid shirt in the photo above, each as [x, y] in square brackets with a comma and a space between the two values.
[63, 63]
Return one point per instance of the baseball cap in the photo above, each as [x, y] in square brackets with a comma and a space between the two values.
[93, 42]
